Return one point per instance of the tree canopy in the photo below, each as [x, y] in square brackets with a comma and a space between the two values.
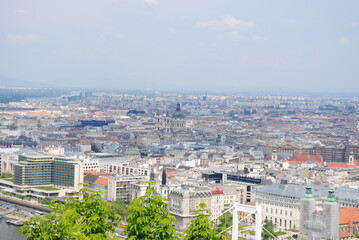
[225, 221]
[201, 227]
[269, 226]
[120, 208]
[149, 218]
[88, 218]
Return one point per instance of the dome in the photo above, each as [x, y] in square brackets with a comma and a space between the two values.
[178, 113]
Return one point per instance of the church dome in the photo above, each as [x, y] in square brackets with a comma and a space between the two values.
[178, 113]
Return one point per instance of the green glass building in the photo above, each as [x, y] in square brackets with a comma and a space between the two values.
[40, 170]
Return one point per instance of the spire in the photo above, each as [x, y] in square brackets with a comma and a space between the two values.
[178, 113]
[164, 177]
[178, 108]
[308, 192]
[274, 150]
[274, 154]
[152, 175]
[331, 196]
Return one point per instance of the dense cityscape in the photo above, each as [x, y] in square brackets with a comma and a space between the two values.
[296, 158]
[179, 120]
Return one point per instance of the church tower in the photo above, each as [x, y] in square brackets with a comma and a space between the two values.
[274, 154]
[308, 207]
[152, 175]
[164, 189]
[331, 216]
[167, 126]
[178, 120]
[352, 160]
[164, 177]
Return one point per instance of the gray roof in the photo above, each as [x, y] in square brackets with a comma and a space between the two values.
[297, 191]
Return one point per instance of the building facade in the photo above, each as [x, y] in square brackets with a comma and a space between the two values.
[121, 187]
[184, 201]
[44, 170]
[168, 127]
[288, 205]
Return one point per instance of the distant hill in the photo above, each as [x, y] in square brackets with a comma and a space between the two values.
[12, 82]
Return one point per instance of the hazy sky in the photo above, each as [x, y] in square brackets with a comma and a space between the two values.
[303, 45]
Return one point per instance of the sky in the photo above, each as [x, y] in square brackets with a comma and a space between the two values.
[222, 45]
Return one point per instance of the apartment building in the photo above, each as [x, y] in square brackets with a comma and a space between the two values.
[123, 169]
[121, 187]
[184, 201]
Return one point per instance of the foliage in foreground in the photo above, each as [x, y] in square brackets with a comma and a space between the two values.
[269, 225]
[225, 221]
[201, 227]
[92, 218]
[86, 219]
[149, 218]
[120, 208]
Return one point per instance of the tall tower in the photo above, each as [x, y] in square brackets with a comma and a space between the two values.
[331, 216]
[307, 208]
[164, 189]
[352, 159]
[274, 154]
[152, 175]
[164, 177]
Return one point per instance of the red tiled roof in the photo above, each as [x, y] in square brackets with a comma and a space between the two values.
[301, 159]
[340, 165]
[102, 181]
[312, 158]
[348, 216]
[344, 234]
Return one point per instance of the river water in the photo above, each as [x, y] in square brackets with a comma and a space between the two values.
[9, 232]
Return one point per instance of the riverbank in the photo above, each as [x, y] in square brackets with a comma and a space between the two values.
[32, 204]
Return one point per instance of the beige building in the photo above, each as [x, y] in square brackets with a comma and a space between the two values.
[123, 169]
[91, 164]
[121, 187]
[182, 203]
[224, 196]
[283, 210]
[8, 160]
[138, 189]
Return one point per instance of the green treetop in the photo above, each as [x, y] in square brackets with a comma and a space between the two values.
[89, 218]
[225, 221]
[201, 228]
[120, 208]
[149, 218]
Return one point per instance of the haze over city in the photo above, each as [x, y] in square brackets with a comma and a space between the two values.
[179, 120]
[182, 45]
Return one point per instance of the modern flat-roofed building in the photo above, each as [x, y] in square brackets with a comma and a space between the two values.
[120, 187]
[44, 170]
